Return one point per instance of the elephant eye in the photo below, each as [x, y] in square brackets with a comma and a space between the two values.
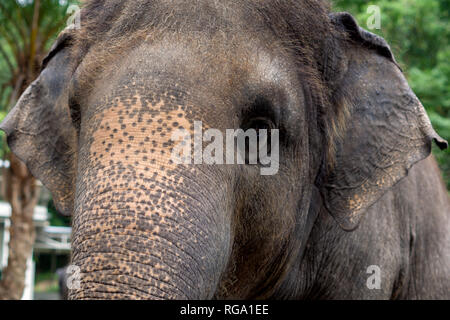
[262, 127]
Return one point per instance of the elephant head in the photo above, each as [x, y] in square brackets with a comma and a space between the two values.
[96, 127]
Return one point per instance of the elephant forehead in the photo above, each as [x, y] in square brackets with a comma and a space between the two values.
[214, 68]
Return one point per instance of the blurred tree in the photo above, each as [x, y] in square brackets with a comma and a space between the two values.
[419, 33]
[27, 29]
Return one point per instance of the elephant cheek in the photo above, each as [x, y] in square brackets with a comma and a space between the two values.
[143, 227]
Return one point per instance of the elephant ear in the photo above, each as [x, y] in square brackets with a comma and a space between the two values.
[39, 128]
[387, 130]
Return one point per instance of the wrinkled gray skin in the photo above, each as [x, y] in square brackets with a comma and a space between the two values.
[356, 187]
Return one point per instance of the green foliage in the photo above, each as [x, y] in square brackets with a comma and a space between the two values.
[3, 146]
[419, 33]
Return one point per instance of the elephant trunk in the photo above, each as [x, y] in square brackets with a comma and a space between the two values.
[153, 248]
[144, 227]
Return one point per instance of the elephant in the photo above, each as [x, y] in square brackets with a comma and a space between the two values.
[356, 210]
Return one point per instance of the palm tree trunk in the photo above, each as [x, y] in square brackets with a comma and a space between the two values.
[22, 193]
